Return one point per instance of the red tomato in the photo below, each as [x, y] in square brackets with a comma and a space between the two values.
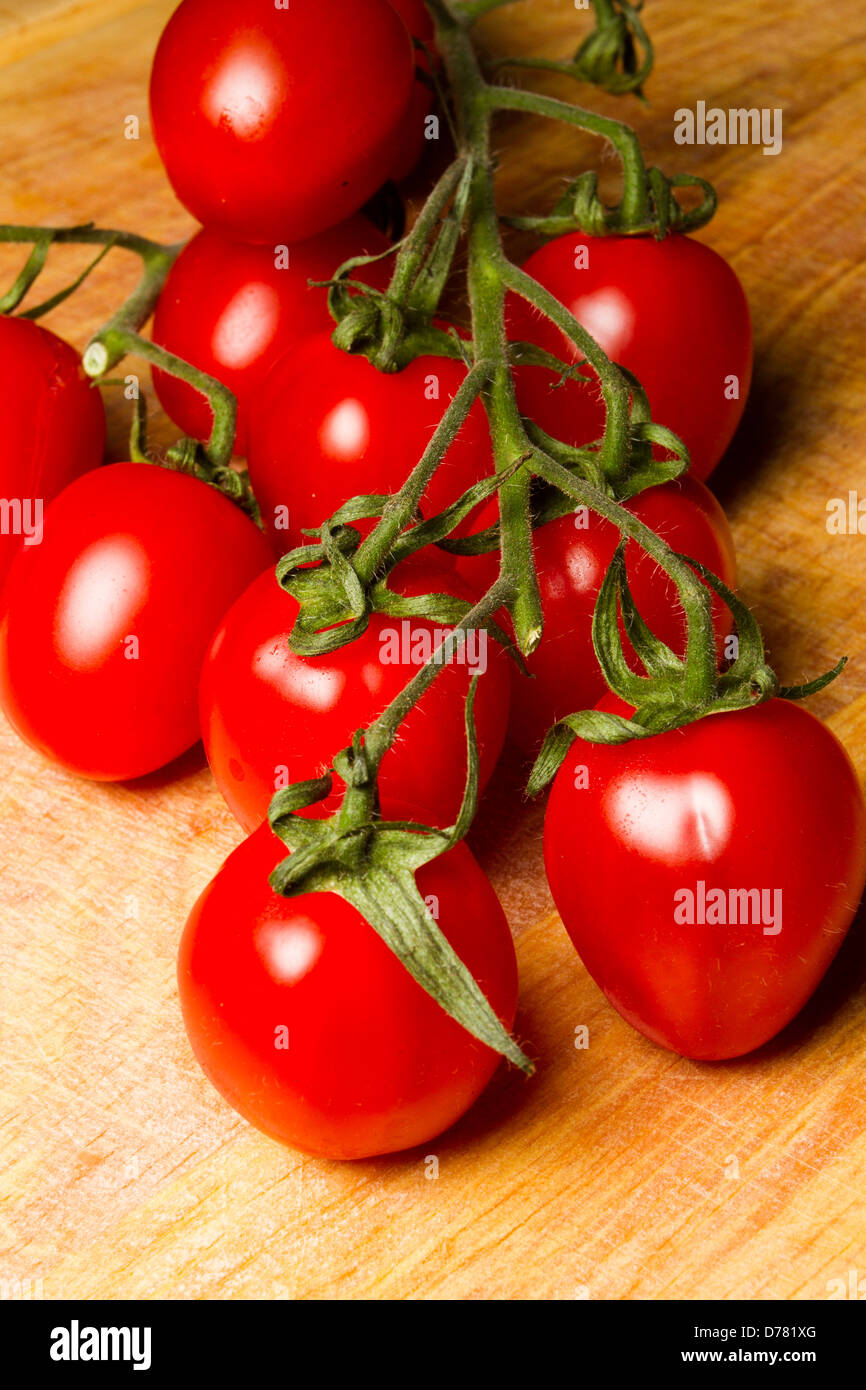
[673, 312]
[275, 123]
[53, 428]
[104, 625]
[232, 310]
[328, 425]
[309, 1025]
[572, 557]
[269, 716]
[652, 861]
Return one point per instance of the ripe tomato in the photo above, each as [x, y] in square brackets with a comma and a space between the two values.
[232, 310]
[660, 844]
[103, 627]
[309, 1025]
[269, 716]
[53, 429]
[572, 557]
[275, 123]
[328, 425]
[673, 312]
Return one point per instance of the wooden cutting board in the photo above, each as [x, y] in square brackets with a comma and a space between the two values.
[620, 1171]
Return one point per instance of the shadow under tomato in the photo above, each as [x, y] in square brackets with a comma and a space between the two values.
[506, 791]
[764, 426]
[187, 765]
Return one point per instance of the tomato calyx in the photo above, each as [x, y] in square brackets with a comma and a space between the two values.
[371, 863]
[580, 209]
[675, 691]
[190, 456]
[393, 328]
[337, 594]
[617, 56]
[339, 580]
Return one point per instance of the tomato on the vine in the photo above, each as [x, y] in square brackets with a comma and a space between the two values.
[276, 122]
[328, 425]
[572, 556]
[708, 875]
[103, 626]
[232, 310]
[270, 717]
[673, 312]
[53, 428]
[310, 1026]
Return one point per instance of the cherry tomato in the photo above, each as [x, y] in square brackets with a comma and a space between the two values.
[707, 876]
[269, 716]
[572, 557]
[309, 1025]
[232, 310]
[328, 425]
[673, 312]
[103, 626]
[275, 123]
[53, 429]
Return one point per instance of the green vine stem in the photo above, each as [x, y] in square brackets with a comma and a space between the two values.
[117, 340]
[634, 207]
[674, 691]
[400, 509]
[470, 10]
[156, 260]
[620, 465]
[358, 804]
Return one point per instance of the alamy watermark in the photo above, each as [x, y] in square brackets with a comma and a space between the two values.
[717, 907]
[22, 516]
[77, 1343]
[415, 646]
[739, 125]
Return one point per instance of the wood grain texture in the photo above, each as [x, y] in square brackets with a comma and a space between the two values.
[620, 1171]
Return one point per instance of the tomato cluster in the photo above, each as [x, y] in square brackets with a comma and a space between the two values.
[146, 613]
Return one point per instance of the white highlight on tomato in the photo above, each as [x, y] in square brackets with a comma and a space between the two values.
[345, 431]
[655, 818]
[103, 592]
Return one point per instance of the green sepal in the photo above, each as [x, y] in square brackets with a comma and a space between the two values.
[607, 639]
[580, 209]
[372, 866]
[593, 725]
[437, 529]
[656, 657]
[34, 265]
[660, 699]
[800, 692]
